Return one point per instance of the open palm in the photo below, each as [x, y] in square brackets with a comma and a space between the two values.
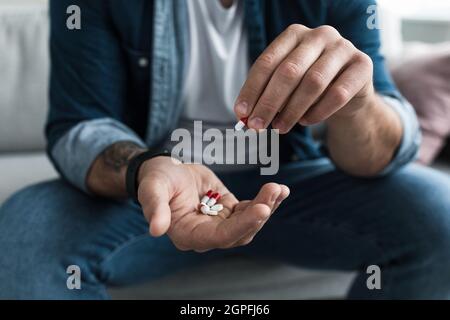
[169, 193]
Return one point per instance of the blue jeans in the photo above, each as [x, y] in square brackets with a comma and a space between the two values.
[331, 221]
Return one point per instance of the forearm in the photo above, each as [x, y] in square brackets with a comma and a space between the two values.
[364, 143]
[107, 174]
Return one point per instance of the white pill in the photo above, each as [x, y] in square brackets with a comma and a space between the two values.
[211, 202]
[217, 207]
[212, 213]
[204, 200]
[205, 209]
[239, 126]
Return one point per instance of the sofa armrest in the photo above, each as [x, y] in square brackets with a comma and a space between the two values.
[24, 68]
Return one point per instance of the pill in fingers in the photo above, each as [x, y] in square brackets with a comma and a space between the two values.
[241, 124]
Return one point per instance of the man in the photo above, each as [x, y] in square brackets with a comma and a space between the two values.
[139, 69]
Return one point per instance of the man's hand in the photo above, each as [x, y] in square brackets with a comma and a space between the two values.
[169, 193]
[305, 76]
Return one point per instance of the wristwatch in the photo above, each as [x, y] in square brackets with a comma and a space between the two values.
[133, 170]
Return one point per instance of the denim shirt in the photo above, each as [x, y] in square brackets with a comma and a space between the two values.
[120, 77]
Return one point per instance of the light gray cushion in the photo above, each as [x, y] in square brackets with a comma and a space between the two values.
[242, 278]
[23, 75]
[20, 170]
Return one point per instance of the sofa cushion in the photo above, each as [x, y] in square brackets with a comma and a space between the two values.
[242, 278]
[23, 75]
[424, 81]
[20, 170]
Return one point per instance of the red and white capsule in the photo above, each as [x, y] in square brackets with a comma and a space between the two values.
[217, 207]
[241, 124]
[214, 198]
[207, 211]
[206, 197]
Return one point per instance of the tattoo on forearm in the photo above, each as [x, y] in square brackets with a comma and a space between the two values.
[119, 155]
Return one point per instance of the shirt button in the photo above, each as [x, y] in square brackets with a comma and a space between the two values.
[143, 62]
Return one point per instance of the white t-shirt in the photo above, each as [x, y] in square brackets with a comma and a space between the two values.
[218, 67]
[218, 60]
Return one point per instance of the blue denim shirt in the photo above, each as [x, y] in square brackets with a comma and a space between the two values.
[120, 77]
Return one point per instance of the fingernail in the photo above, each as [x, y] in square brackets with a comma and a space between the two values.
[242, 108]
[277, 124]
[256, 123]
[303, 122]
[275, 197]
[279, 199]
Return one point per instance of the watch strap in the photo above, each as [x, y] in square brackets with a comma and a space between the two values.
[133, 169]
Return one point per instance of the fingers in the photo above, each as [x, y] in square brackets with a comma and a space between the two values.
[284, 81]
[239, 226]
[249, 237]
[222, 234]
[254, 214]
[241, 205]
[285, 192]
[271, 195]
[314, 83]
[154, 199]
[268, 195]
[342, 91]
[262, 70]
[251, 210]
[202, 233]
[296, 72]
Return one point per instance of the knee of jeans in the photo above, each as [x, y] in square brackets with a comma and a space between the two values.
[29, 212]
[29, 199]
[422, 198]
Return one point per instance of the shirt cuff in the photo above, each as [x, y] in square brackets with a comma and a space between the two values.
[409, 147]
[75, 152]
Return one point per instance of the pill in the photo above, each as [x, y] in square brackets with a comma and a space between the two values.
[206, 197]
[217, 207]
[241, 124]
[205, 209]
[212, 201]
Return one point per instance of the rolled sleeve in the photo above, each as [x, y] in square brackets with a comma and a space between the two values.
[79, 147]
[409, 147]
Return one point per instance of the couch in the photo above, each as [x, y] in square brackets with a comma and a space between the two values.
[23, 103]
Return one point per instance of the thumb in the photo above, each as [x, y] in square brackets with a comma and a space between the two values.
[154, 198]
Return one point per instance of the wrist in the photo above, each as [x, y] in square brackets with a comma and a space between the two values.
[356, 110]
[151, 164]
[134, 174]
